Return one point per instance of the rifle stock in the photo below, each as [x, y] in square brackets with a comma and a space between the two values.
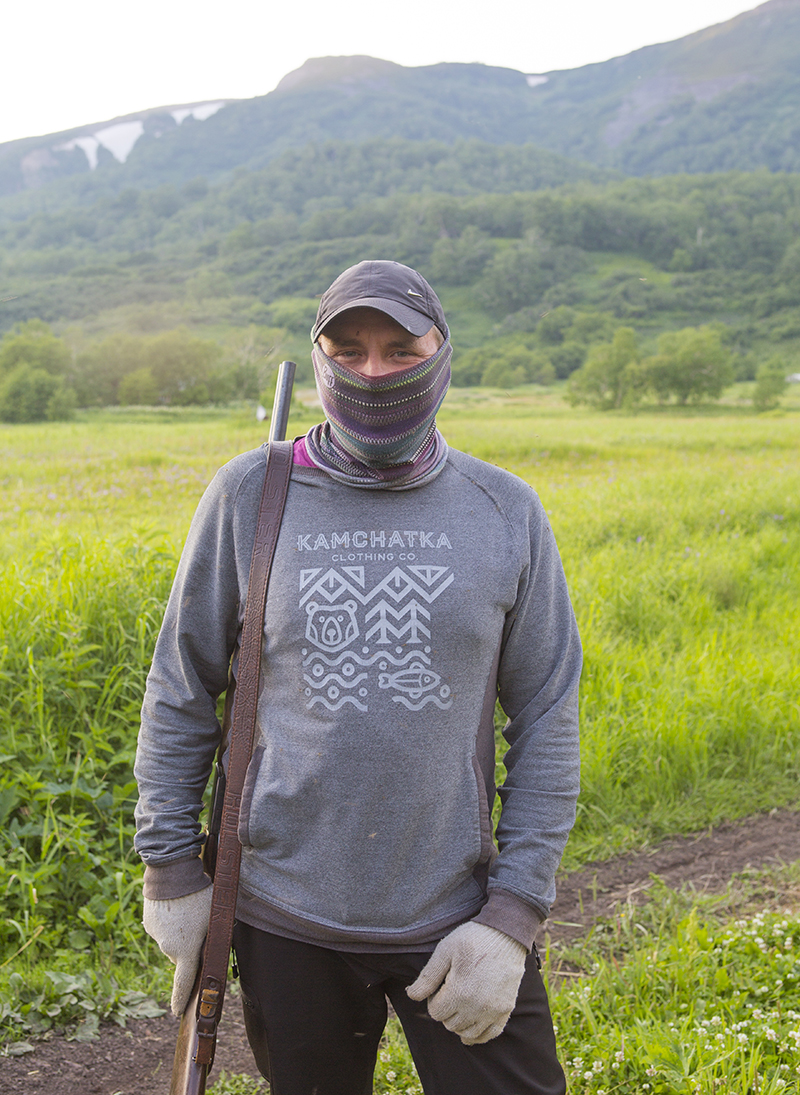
[188, 1076]
[196, 1043]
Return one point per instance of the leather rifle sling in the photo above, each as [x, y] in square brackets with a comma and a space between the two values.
[214, 972]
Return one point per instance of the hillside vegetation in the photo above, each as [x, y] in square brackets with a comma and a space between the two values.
[532, 279]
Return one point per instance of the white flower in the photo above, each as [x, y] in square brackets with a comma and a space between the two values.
[741, 1038]
[391, 1076]
[588, 1075]
[770, 1033]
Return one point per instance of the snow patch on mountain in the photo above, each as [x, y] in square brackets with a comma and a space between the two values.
[199, 112]
[120, 137]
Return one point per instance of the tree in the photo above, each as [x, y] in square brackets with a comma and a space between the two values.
[567, 357]
[770, 384]
[34, 344]
[514, 278]
[460, 261]
[507, 363]
[612, 376]
[138, 388]
[250, 354]
[180, 365]
[28, 394]
[101, 369]
[690, 364]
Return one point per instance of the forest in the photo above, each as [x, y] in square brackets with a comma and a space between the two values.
[192, 295]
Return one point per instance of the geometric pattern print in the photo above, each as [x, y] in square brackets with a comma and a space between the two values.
[346, 622]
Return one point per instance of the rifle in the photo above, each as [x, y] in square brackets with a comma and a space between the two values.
[197, 1035]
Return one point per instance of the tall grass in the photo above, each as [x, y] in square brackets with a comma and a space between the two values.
[78, 620]
[681, 542]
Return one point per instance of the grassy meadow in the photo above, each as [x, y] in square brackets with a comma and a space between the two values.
[680, 534]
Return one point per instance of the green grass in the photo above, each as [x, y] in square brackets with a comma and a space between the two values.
[683, 996]
[680, 534]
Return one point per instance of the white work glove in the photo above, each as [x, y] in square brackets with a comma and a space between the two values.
[476, 970]
[179, 925]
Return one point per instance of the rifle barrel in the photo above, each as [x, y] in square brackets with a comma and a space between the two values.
[283, 398]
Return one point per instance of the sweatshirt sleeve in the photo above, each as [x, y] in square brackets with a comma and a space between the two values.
[538, 675]
[180, 731]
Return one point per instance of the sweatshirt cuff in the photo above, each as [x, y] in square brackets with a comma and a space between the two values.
[176, 879]
[510, 914]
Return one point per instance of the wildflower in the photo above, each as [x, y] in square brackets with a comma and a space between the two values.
[619, 1055]
[597, 1066]
[770, 1033]
[384, 1055]
[588, 1075]
[391, 1076]
[741, 1038]
[651, 1071]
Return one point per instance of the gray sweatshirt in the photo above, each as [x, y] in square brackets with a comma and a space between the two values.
[394, 620]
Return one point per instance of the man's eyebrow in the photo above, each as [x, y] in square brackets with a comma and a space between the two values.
[402, 343]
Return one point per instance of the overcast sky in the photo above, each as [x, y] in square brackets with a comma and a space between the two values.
[69, 64]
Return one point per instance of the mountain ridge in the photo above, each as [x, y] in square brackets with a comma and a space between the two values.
[722, 98]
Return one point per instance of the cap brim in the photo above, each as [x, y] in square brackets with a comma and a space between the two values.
[416, 323]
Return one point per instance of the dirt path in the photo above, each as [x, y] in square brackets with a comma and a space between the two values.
[138, 1061]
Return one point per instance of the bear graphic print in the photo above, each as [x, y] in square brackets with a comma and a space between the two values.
[363, 641]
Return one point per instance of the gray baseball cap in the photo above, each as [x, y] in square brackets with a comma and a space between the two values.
[390, 287]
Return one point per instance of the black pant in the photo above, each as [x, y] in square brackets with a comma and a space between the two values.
[315, 1016]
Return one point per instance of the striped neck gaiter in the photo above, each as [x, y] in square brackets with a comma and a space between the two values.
[380, 432]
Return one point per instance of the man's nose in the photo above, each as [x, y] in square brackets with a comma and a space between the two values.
[374, 364]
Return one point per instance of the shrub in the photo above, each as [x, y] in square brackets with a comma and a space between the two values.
[612, 376]
[28, 394]
[770, 384]
[690, 364]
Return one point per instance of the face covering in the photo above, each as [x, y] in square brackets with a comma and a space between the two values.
[380, 431]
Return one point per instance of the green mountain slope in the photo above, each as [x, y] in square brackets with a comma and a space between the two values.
[549, 270]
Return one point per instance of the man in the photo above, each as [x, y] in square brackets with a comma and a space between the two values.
[413, 586]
